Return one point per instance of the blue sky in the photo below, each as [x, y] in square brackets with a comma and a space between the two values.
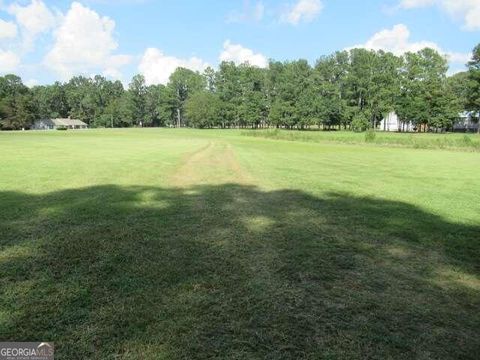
[44, 41]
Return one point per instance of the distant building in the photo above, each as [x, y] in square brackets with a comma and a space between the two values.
[467, 121]
[50, 124]
[392, 123]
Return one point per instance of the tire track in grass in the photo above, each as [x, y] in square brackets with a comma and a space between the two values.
[245, 236]
[214, 163]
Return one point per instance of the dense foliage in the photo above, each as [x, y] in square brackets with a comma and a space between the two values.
[349, 89]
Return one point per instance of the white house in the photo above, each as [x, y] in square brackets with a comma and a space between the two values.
[467, 121]
[392, 123]
[49, 124]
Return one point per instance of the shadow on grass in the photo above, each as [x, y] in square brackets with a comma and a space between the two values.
[232, 271]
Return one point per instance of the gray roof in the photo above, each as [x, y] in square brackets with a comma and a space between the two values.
[68, 122]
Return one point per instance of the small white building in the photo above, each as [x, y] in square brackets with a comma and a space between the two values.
[467, 121]
[50, 124]
[392, 123]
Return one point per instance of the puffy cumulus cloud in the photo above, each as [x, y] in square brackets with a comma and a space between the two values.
[239, 55]
[467, 10]
[9, 61]
[249, 13]
[115, 63]
[397, 41]
[302, 11]
[84, 43]
[8, 29]
[157, 67]
[34, 19]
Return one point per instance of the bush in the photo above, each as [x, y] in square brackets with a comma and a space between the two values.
[275, 132]
[370, 135]
[467, 140]
[360, 123]
[62, 128]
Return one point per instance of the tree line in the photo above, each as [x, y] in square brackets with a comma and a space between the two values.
[352, 89]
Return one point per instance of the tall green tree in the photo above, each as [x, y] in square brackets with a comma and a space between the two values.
[473, 99]
[51, 101]
[80, 97]
[354, 88]
[331, 90]
[160, 106]
[137, 91]
[459, 86]
[252, 105]
[229, 89]
[17, 108]
[425, 96]
[184, 82]
[386, 86]
[202, 109]
[291, 94]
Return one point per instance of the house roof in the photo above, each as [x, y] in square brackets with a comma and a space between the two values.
[68, 122]
[466, 114]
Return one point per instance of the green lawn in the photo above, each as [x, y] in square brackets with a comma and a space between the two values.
[187, 244]
[452, 141]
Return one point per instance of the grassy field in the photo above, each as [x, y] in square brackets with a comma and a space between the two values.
[185, 244]
[451, 141]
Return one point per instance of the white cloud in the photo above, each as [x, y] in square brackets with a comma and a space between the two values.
[115, 63]
[459, 58]
[239, 55]
[33, 19]
[157, 67]
[467, 10]
[8, 29]
[249, 13]
[84, 43]
[397, 41]
[410, 4]
[303, 10]
[9, 61]
[31, 83]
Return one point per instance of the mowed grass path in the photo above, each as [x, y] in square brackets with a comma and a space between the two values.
[184, 244]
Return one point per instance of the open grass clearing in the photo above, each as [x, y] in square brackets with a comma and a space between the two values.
[158, 243]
